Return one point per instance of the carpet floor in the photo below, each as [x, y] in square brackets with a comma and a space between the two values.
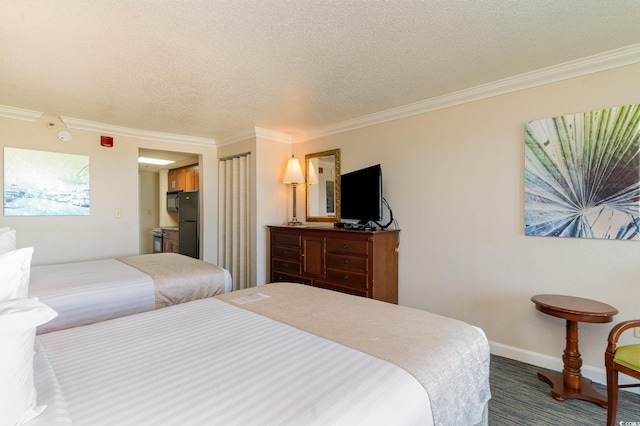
[519, 398]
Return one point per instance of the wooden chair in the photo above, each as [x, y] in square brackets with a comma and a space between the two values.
[623, 359]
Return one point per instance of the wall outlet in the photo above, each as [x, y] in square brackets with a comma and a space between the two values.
[118, 213]
[636, 332]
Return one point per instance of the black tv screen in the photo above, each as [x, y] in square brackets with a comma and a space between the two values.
[361, 195]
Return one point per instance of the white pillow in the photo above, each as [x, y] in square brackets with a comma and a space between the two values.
[18, 321]
[7, 240]
[15, 269]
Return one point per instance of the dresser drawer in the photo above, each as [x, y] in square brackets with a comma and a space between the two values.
[347, 279]
[279, 277]
[341, 289]
[290, 253]
[345, 262]
[285, 266]
[346, 246]
[285, 240]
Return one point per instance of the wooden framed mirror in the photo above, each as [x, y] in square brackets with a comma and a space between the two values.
[322, 171]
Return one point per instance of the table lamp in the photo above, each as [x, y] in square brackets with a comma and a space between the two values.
[293, 176]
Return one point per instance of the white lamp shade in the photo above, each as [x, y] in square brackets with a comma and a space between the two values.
[293, 174]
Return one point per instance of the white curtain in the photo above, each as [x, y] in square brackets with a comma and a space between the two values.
[234, 231]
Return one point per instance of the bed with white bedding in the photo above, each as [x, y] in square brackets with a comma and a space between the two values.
[92, 291]
[277, 354]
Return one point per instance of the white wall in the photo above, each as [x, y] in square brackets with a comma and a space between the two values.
[114, 184]
[274, 198]
[455, 180]
[149, 208]
[208, 168]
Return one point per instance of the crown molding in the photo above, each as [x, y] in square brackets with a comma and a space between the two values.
[613, 59]
[93, 126]
[236, 137]
[273, 135]
[256, 132]
[18, 113]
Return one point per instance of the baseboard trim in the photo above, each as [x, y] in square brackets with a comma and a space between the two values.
[596, 374]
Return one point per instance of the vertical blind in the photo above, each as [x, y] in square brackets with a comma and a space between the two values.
[234, 230]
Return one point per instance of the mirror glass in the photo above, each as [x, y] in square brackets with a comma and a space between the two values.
[323, 186]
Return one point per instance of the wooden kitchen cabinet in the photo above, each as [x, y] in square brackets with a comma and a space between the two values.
[362, 263]
[184, 178]
[176, 180]
[169, 241]
[192, 178]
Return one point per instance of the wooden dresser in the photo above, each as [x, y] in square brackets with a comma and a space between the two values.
[363, 263]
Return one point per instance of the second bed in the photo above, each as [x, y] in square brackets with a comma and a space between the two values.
[92, 291]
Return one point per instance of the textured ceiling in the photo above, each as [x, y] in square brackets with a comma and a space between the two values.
[213, 69]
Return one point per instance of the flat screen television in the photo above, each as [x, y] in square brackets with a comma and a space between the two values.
[361, 195]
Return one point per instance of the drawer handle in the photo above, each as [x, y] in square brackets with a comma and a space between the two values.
[345, 277]
[285, 252]
[286, 240]
[345, 246]
[345, 261]
[286, 265]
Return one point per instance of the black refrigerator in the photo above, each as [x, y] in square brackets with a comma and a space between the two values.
[189, 224]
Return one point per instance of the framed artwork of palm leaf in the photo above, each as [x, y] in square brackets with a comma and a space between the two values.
[582, 175]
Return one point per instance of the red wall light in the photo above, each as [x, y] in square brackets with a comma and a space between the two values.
[106, 141]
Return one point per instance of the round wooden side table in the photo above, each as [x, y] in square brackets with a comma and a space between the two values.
[571, 384]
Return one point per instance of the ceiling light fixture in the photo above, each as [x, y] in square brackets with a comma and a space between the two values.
[156, 161]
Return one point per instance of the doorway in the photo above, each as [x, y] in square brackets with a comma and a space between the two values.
[152, 190]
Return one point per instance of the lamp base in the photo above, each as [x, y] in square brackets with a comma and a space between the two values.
[295, 223]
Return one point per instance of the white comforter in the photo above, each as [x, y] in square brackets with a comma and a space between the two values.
[91, 291]
[208, 362]
[97, 290]
[449, 357]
